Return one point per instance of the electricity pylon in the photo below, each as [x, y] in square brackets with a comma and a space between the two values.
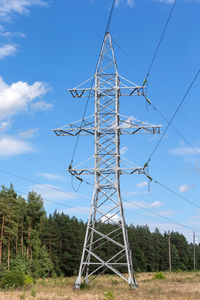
[106, 125]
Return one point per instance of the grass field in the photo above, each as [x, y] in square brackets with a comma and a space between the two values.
[176, 286]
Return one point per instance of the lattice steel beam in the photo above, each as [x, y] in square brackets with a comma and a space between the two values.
[106, 125]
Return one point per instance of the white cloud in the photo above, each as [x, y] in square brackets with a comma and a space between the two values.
[110, 218]
[132, 193]
[80, 210]
[51, 176]
[52, 192]
[135, 204]
[20, 96]
[184, 151]
[165, 1]
[124, 150]
[155, 204]
[8, 34]
[130, 3]
[7, 50]
[40, 106]
[142, 184]
[28, 134]
[4, 126]
[8, 8]
[10, 146]
[185, 188]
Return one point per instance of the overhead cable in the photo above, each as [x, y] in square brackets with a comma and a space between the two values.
[175, 193]
[174, 114]
[86, 106]
[160, 41]
[157, 214]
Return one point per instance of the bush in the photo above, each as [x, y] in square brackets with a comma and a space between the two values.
[159, 275]
[109, 295]
[28, 280]
[12, 279]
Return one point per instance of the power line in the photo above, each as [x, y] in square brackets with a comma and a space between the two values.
[110, 17]
[33, 181]
[125, 201]
[160, 40]
[175, 193]
[157, 214]
[56, 202]
[173, 116]
[86, 106]
[177, 131]
[163, 93]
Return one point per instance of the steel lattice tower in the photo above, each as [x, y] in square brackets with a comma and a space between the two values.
[107, 124]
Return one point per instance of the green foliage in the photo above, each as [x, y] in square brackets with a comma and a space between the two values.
[108, 295]
[42, 266]
[42, 246]
[28, 280]
[12, 279]
[84, 286]
[22, 264]
[159, 275]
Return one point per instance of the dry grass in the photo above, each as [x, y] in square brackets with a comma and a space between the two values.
[176, 286]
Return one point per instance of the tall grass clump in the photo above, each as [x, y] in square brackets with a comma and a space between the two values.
[159, 275]
[109, 295]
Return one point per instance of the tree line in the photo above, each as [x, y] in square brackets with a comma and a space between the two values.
[46, 245]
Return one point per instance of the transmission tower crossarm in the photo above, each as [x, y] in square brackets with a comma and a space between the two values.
[106, 125]
[126, 125]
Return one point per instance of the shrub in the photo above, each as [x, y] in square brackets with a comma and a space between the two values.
[28, 280]
[84, 286]
[159, 275]
[109, 295]
[12, 279]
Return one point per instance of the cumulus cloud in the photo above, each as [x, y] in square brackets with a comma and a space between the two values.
[142, 205]
[51, 176]
[11, 146]
[142, 184]
[110, 218]
[165, 1]
[20, 96]
[124, 150]
[155, 204]
[52, 192]
[184, 151]
[28, 134]
[80, 210]
[7, 50]
[8, 8]
[130, 3]
[4, 126]
[185, 188]
[40, 106]
[8, 34]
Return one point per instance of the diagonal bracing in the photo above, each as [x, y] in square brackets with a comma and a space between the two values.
[106, 125]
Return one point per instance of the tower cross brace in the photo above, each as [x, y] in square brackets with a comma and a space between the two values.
[106, 125]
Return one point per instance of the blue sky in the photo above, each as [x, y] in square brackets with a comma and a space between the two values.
[47, 47]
